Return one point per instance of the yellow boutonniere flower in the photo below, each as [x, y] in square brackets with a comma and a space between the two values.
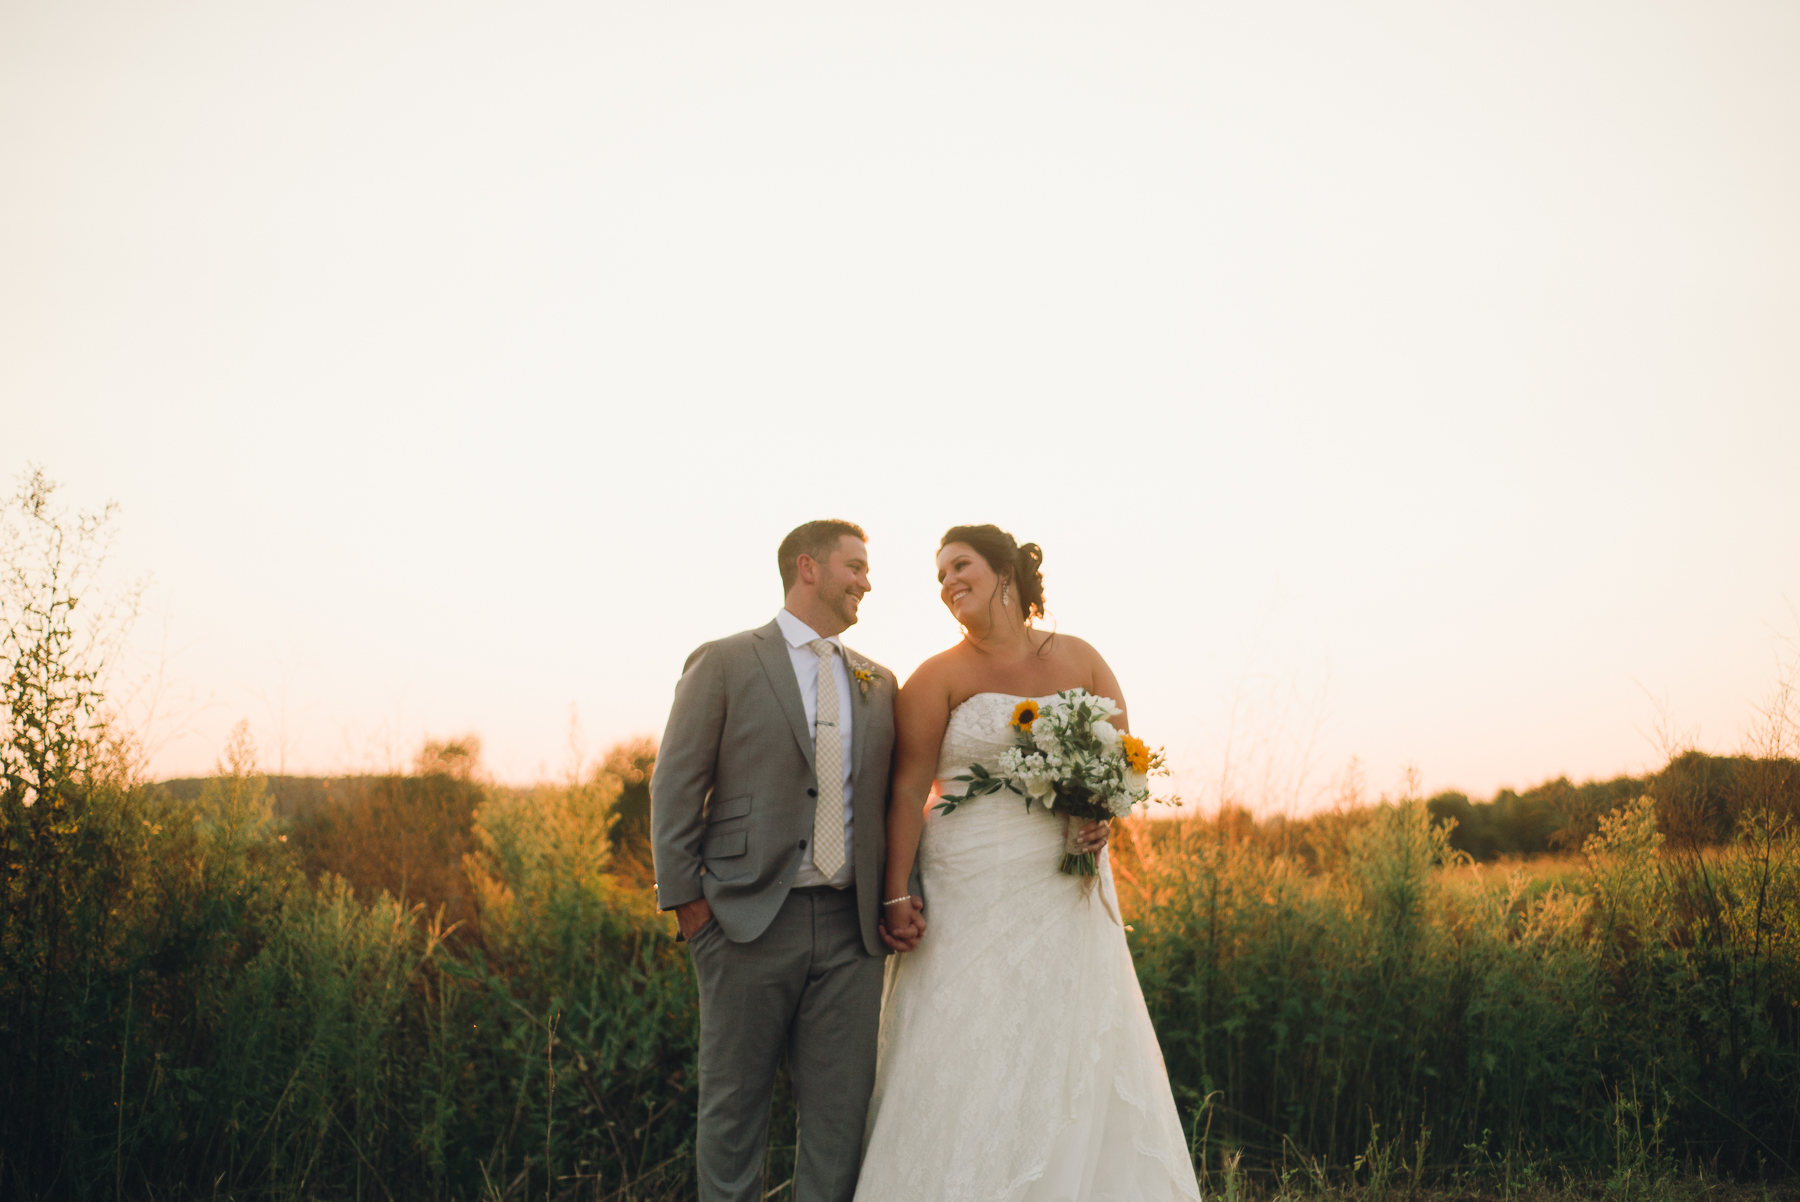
[1024, 714]
[864, 678]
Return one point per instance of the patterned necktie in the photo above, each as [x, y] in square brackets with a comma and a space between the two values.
[828, 766]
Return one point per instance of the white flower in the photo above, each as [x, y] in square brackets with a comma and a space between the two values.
[1106, 732]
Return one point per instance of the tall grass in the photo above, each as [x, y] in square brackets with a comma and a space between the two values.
[1390, 993]
[211, 1021]
[217, 1022]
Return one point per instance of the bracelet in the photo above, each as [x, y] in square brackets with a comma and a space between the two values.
[896, 901]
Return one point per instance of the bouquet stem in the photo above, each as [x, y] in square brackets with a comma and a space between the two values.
[1076, 862]
[1081, 864]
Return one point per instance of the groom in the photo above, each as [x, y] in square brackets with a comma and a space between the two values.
[768, 813]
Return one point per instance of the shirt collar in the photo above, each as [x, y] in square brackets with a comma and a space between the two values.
[798, 633]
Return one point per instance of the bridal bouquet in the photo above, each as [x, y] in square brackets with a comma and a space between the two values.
[1072, 760]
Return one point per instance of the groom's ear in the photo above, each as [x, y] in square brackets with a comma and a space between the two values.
[806, 569]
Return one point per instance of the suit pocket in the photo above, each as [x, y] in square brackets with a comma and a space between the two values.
[723, 847]
[730, 807]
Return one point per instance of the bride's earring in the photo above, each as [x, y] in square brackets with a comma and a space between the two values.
[1005, 592]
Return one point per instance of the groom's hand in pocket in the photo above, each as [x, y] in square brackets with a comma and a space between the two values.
[691, 916]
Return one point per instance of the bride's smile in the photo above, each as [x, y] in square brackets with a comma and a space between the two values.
[967, 585]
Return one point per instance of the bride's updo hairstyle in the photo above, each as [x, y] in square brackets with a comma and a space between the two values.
[1021, 564]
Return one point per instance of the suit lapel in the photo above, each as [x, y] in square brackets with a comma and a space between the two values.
[772, 651]
[859, 725]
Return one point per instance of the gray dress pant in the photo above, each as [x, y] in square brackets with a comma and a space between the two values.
[807, 985]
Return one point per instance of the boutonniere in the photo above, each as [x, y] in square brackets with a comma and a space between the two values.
[865, 678]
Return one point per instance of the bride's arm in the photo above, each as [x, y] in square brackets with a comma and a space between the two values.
[1107, 685]
[921, 711]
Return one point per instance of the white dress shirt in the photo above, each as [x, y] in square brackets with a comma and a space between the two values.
[806, 674]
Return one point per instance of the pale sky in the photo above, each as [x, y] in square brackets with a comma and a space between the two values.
[1418, 382]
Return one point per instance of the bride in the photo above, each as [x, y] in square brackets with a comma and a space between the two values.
[1017, 1061]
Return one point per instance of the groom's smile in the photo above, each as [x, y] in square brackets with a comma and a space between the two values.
[843, 579]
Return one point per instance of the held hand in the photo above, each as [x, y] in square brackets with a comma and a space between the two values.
[691, 916]
[903, 924]
[1093, 836]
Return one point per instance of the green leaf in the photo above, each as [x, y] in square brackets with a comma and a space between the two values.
[980, 782]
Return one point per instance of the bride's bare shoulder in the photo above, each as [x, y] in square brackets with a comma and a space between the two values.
[1070, 648]
[944, 681]
[934, 672]
[924, 699]
[1081, 660]
[935, 678]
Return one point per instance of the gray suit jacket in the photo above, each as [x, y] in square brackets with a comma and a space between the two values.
[730, 803]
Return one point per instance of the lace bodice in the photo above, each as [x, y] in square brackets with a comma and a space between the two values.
[978, 731]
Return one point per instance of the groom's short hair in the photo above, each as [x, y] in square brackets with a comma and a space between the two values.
[817, 539]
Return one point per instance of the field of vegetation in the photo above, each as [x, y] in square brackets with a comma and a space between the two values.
[424, 985]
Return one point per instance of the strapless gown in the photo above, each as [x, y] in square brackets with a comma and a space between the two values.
[1017, 1060]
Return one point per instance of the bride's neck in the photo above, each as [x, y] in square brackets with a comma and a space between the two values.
[1002, 639]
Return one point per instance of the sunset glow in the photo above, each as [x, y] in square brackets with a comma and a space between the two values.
[1409, 384]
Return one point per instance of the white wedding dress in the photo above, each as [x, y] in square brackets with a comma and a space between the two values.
[1017, 1060]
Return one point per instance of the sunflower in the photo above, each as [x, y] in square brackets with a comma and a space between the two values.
[1137, 753]
[1024, 714]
